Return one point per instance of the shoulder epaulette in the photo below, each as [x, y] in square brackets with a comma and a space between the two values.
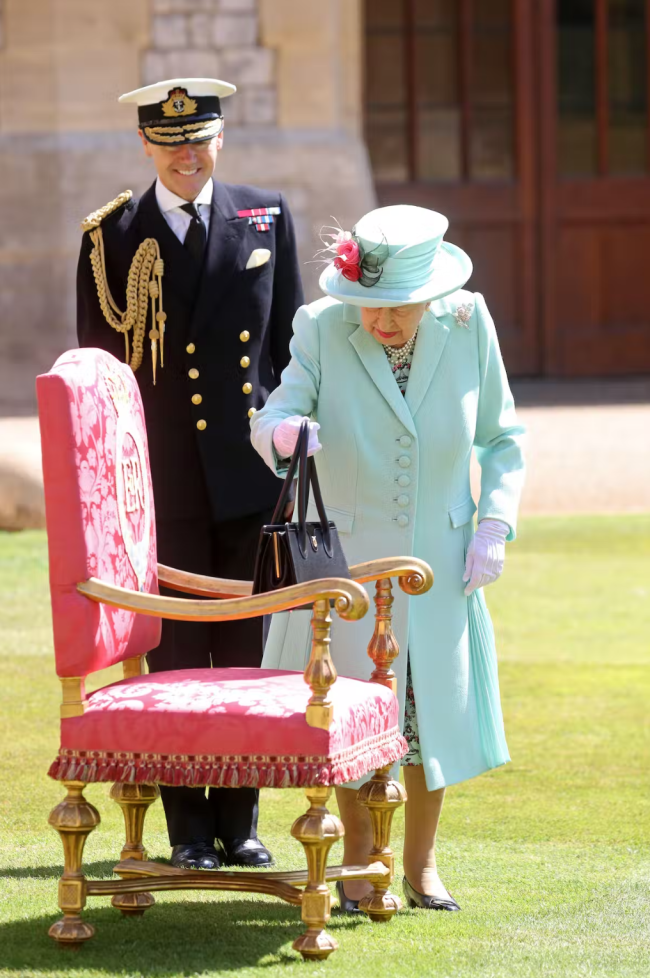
[95, 219]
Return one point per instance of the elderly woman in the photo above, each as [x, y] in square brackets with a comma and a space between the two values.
[401, 372]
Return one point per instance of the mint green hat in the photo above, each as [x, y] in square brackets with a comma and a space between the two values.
[401, 256]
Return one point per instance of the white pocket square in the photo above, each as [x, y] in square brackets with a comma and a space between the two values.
[258, 257]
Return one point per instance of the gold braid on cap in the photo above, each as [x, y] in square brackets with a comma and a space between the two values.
[144, 284]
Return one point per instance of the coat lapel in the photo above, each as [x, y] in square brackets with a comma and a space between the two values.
[225, 241]
[432, 336]
[374, 360]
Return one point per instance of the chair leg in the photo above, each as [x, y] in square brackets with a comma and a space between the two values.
[134, 800]
[74, 819]
[317, 830]
[381, 797]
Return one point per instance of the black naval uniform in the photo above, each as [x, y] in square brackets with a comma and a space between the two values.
[227, 327]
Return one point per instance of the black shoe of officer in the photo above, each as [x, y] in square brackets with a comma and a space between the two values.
[245, 852]
[195, 855]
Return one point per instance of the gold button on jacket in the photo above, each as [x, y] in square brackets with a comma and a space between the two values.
[196, 398]
[251, 412]
[245, 336]
[201, 425]
[247, 388]
[245, 362]
[193, 373]
[190, 348]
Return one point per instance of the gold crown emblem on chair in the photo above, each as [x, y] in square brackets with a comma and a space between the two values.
[117, 390]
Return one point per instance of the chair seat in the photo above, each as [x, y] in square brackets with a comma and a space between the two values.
[228, 727]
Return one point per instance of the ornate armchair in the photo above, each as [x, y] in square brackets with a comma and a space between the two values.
[233, 727]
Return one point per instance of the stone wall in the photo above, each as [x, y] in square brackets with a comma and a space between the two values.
[215, 39]
[64, 144]
[67, 146]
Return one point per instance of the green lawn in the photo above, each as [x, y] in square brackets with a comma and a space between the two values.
[549, 857]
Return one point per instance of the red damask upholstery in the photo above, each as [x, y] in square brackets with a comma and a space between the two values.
[232, 727]
[99, 507]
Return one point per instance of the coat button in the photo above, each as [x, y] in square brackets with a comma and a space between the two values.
[403, 500]
[245, 362]
[196, 398]
[245, 336]
[404, 462]
[406, 441]
[251, 412]
[190, 348]
[193, 374]
[247, 388]
[404, 481]
[201, 425]
[402, 520]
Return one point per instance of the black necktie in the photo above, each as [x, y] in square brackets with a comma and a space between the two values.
[196, 236]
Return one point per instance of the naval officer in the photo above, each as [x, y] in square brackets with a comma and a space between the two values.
[196, 285]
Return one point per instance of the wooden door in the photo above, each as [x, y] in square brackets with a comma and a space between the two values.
[526, 123]
[450, 124]
[595, 186]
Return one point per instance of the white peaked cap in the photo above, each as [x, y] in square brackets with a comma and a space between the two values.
[194, 87]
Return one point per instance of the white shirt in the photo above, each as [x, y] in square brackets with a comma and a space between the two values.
[170, 207]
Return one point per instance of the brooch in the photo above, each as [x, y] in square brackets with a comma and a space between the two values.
[463, 315]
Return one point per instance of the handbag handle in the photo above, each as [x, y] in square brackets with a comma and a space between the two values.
[307, 474]
[281, 504]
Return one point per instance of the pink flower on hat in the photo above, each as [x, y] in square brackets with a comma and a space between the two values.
[348, 251]
[352, 272]
[349, 257]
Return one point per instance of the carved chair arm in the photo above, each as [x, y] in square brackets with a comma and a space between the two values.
[415, 577]
[350, 601]
[209, 587]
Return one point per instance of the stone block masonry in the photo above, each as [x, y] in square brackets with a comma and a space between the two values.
[214, 38]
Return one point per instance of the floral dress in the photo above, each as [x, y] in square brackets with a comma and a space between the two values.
[401, 367]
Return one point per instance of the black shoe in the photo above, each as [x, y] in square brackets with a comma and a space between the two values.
[415, 899]
[345, 904]
[195, 855]
[245, 852]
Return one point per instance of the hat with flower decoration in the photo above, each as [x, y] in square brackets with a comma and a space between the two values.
[394, 256]
[180, 110]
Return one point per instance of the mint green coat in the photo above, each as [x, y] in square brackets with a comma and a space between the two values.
[394, 472]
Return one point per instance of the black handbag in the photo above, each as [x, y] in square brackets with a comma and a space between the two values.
[292, 553]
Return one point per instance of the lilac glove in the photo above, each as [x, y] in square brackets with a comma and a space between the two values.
[485, 554]
[285, 436]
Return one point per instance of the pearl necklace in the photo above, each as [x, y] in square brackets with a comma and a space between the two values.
[401, 354]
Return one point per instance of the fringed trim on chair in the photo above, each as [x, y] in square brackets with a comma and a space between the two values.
[236, 771]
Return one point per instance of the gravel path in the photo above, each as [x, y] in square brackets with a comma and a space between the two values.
[587, 459]
[581, 459]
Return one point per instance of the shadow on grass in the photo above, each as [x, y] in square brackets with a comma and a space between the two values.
[171, 939]
[97, 870]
